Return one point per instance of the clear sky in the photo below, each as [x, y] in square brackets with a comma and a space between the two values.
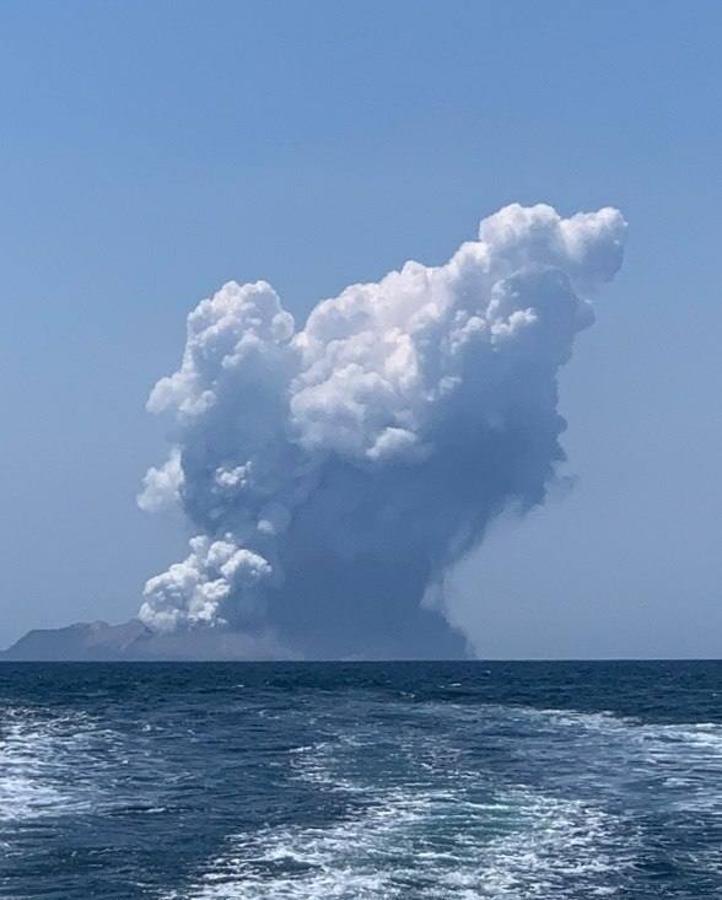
[152, 151]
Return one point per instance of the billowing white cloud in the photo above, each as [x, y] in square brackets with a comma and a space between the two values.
[161, 486]
[192, 592]
[335, 472]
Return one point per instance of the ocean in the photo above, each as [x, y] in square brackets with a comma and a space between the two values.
[254, 781]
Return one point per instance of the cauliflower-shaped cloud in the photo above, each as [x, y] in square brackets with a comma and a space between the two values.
[379, 440]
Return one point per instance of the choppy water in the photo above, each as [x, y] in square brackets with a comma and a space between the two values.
[330, 780]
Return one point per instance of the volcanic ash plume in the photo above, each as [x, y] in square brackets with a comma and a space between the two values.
[333, 474]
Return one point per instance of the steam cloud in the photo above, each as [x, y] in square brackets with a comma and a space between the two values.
[335, 473]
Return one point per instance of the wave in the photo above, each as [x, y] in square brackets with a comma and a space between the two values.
[402, 800]
[38, 755]
[425, 822]
[63, 763]
[425, 845]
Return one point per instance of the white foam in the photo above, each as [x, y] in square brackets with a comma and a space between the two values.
[52, 763]
[423, 845]
[443, 829]
[426, 822]
[35, 754]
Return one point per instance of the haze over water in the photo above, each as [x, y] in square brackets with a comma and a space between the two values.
[362, 780]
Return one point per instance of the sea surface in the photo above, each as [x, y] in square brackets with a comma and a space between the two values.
[531, 781]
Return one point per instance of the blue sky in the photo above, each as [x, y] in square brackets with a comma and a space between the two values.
[151, 152]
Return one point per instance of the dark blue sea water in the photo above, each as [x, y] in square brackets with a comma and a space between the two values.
[379, 780]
